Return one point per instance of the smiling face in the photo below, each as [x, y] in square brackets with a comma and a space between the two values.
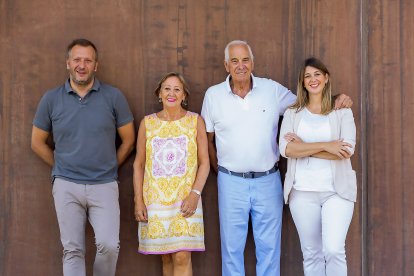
[240, 64]
[172, 92]
[314, 80]
[82, 64]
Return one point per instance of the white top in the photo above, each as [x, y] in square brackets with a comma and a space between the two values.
[246, 129]
[314, 174]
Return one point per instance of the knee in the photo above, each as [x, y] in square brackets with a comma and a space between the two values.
[312, 254]
[73, 253]
[334, 252]
[166, 259]
[106, 247]
[182, 258]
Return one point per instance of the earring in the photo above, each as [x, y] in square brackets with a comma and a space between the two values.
[184, 102]
[159, 100]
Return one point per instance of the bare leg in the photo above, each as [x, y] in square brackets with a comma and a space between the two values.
[167, 265]
[182, 263]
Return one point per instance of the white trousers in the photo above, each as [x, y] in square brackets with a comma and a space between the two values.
[322, 220]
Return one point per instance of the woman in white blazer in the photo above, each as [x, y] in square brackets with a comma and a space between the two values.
[320, 185]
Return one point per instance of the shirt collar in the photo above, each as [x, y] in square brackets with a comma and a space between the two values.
[254, 84]
[95, 87]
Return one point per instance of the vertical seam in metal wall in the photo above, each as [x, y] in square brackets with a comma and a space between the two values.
[143, 43]
[363, 133]
[226, 11]
[403, 201]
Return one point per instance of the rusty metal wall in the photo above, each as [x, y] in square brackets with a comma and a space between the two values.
[366, 44]
[390, 136]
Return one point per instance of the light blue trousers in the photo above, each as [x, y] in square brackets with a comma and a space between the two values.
[262, 200]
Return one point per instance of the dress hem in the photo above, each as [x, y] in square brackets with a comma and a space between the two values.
[171, 251]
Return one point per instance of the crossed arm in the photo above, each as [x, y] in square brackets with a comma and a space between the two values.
[333, 150]
[291, 145]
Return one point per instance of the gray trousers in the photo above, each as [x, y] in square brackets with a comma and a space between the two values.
[75, 203]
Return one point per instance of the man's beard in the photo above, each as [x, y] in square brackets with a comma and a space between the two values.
[83, 82]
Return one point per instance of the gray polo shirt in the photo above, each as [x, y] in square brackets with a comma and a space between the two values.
[84, 131]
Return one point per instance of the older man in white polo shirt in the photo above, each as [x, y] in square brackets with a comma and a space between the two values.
[241, 116]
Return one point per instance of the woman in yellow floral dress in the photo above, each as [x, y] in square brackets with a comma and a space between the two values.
[170, 170]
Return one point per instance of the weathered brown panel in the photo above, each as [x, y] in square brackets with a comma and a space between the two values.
[5, 212]
[385, 188]
[407, 87]
[390, 136]
[138, 42]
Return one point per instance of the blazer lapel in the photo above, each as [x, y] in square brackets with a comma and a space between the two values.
[333, 123]
[296, 119]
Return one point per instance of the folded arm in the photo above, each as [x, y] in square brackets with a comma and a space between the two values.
[333, 150]
[325, 155]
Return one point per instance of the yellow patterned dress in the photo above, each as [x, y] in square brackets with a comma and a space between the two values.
[170, 171]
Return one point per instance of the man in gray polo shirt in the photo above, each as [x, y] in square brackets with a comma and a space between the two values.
[84, 115]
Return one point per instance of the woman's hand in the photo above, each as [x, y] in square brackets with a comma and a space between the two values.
[141, 211]
[292, 137]
[189, 205]
[339, 148]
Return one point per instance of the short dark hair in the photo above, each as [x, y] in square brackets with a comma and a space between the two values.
[81, 42]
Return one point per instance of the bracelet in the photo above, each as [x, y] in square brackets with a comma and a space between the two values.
[197, 192]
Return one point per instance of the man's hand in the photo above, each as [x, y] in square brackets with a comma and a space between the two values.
[343, 101]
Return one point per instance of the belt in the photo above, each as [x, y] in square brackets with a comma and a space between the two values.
[249, 174]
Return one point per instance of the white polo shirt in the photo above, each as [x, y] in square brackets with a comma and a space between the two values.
[246, 129]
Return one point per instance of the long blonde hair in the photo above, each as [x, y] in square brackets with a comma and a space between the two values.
[302, 94]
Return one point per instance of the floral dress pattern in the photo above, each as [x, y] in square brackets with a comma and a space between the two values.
[170, 171]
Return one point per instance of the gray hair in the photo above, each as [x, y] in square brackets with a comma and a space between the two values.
[236, 42]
